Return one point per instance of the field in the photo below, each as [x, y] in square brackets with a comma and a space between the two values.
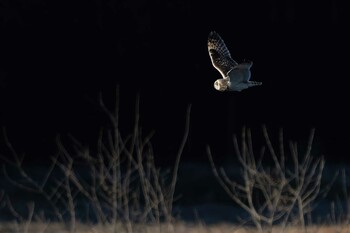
[177, 228]
[116, 186]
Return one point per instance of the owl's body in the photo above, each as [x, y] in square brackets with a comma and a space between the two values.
[236, 77]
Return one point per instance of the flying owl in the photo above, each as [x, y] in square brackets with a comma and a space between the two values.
[235, 76]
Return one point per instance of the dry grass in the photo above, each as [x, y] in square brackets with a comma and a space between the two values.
[180, 227]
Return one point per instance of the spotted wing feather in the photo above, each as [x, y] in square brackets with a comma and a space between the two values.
[219, 54]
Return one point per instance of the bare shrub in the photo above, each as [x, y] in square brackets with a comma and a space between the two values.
[119, 181]
[339, 214]
[280, 193]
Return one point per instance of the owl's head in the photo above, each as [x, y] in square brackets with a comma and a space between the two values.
[221, 84]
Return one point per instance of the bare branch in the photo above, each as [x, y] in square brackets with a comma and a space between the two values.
[178, 157]
[273, 193]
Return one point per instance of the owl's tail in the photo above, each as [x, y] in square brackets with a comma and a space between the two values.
[254, 83]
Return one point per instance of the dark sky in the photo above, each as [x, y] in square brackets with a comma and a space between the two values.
[56, 56]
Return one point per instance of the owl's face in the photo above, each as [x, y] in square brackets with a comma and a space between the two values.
[221, 84]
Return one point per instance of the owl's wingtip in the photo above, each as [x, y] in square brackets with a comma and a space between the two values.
[211, 33]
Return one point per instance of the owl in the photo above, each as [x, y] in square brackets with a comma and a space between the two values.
[235, 77]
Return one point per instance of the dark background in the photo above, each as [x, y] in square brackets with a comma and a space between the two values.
[57, 56]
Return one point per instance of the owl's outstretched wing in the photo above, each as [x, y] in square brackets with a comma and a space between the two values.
[219, 54]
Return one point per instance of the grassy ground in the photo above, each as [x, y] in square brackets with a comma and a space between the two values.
[37, 227]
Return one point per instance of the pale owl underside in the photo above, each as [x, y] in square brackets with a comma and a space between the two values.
[236, 77]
